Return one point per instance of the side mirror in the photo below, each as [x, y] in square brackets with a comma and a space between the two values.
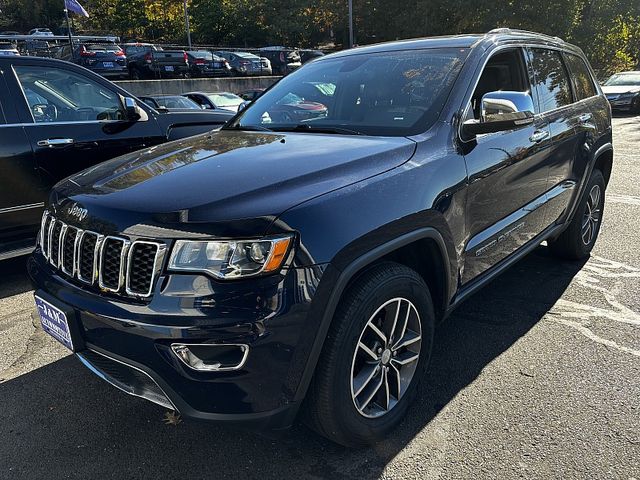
[501, 111]
[132, 111]
[243, 105]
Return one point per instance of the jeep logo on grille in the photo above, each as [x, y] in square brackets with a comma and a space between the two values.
[77, 212]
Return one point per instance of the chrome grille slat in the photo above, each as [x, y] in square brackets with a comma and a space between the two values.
[111, 263]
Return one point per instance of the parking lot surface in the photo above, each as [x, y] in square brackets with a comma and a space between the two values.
[536, 376]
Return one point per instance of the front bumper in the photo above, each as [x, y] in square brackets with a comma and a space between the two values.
[625, 103]
[128, 342]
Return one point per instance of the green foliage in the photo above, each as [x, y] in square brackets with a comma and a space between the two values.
[607, 30]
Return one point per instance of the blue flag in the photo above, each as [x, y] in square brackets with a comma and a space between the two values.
[75, 7]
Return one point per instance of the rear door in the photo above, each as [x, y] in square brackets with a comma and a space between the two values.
[507, 173]
[21, 190]
[75, 120]
[589, 115]
[555, 103]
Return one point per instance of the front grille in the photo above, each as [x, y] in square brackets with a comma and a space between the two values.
[116, 264]
[144, 256]
[54, 240]
[112, 263]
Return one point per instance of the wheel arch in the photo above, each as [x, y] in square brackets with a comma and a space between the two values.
[604, 161]
[404, 249]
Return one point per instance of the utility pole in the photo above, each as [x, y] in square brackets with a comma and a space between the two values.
[350, 23]
[186, 23]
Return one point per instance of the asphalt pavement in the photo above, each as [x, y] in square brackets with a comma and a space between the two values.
[536, 376]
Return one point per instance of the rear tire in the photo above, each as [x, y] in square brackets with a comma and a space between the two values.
[360, 394]
[577, 241]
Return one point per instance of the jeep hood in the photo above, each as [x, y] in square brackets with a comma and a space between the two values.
[230, 175]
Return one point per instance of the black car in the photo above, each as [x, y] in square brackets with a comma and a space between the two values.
[106, 59]
[57, 118]
[623, 91]
[274, 265]
[283, 60]
[145, 61]
[205, 64]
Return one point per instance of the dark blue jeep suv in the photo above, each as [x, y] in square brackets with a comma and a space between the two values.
[280, 266]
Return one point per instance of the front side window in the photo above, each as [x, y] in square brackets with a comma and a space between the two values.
[57, 95]
[389, 93]
[550, 79]
[581, 77]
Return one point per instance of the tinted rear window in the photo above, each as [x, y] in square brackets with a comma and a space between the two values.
[582, 80]
[551, 81]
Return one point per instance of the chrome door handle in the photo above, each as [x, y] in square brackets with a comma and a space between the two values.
[585, 117]
[56, 142]
[539, 135]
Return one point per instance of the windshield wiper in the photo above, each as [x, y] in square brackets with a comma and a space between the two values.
[248, 128]
[305, 127]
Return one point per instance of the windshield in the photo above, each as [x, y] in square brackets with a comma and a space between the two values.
[177, 102]
[205, 55]
[102, 47]
[225, 99]
[389, 93]
[623, 79]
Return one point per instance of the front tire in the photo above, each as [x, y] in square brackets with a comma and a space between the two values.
[577, 241]
[375, 354]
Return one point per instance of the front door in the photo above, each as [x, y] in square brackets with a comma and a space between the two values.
[507, 174]
[74, 120]
[21, 194]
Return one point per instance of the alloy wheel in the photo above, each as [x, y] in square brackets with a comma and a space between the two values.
[592, 214]
[386, 357]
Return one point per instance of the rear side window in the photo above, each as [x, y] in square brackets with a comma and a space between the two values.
[550, 81]
[581, 77]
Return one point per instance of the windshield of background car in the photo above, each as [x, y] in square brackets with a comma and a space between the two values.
[622, 79]
[225, 99]
[177, 102]
[394, 93]
[203, 55]
[99, 47]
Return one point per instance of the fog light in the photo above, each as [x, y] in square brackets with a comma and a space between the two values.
[208, 357]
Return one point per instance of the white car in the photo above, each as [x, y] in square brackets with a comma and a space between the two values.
[623, 91]
[8, 49]
[41, 32]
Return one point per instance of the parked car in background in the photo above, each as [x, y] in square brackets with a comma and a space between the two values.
[172, 103]
[203, 63]
[270, 269]
[37, 48]
[283, 60]
[145, 60]
[7, 49]
[106, 59]
[216, 101]
[41, 32]
[623, 91]
[246, 64]
[306, 55]
[251, 94]
[68, 119]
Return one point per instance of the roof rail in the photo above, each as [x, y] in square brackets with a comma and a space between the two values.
[515, 31]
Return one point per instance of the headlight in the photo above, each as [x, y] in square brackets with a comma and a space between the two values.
[232, 258]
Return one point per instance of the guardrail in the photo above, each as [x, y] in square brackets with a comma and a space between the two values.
[178, 86]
